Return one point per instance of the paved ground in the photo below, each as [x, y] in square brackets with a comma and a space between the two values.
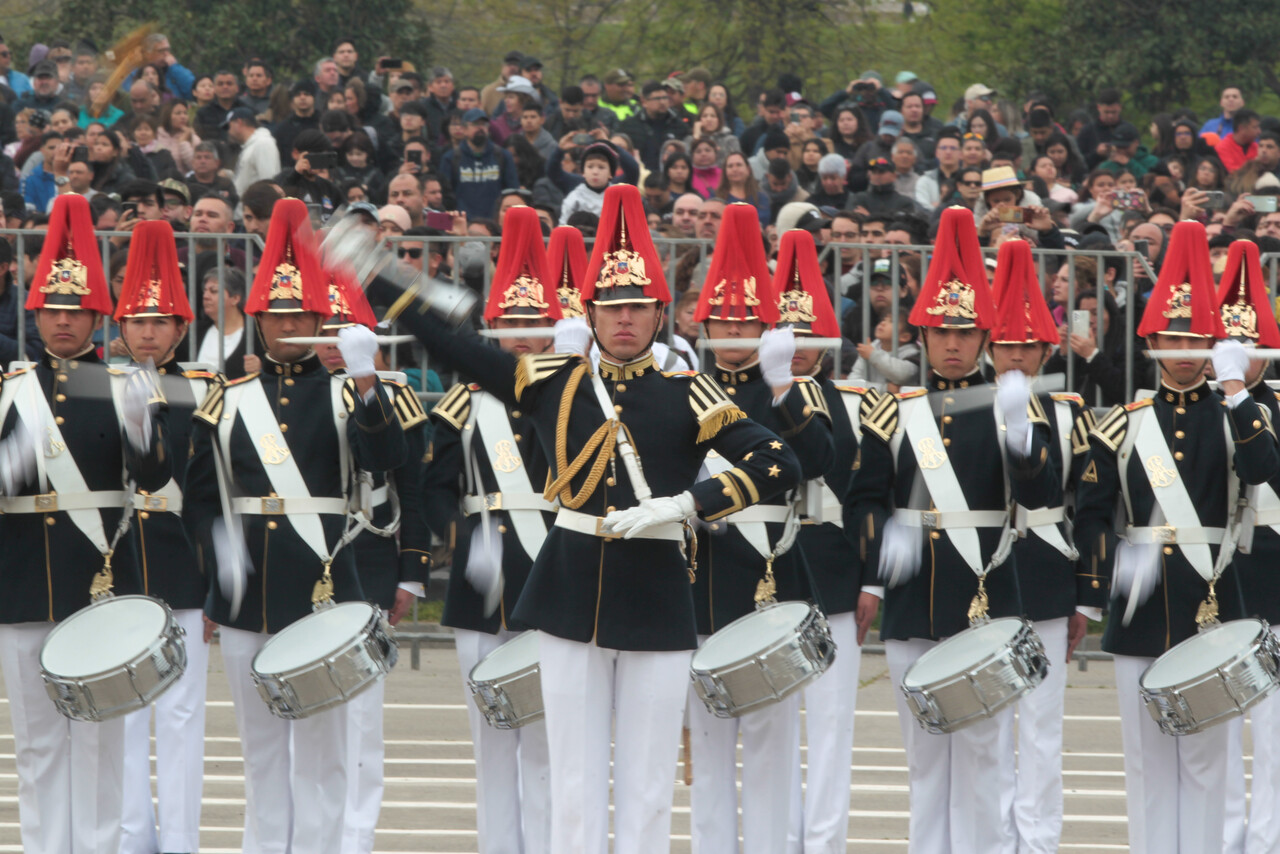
[430, 797]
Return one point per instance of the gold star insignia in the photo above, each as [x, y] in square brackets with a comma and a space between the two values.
[774, 471]
[776, 445]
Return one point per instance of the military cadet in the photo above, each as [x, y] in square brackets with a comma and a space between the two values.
[849, 591]
[278, 443]
[482, 495]
[1247, 317]
[154, 317]
[1184, 452]
[393, 557]
[748, 557]
[1054, 597]
[77, 425]
[610, 589]
[928, 507]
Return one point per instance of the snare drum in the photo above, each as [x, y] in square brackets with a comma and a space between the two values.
[324, 659]
[112, 657]
[971, 676]
[762, 658]
[1212, 677]
[507, 683]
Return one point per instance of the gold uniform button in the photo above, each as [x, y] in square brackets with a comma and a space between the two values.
[731, 390]
[610, 509]
[617, 408]
[145, 515]
[284, 428]
[1257, 424]
[947, 419]
[515, 413]
[425, 558]
[1168, 550]
[1195, 396]
[60, 398]
[49, 520]
[742, 378]
[946, 442]
[502, 529]
[1181, 410]
[726, 491]
[948, 400]
[611, 481]
[935, 535]
[1096, 585]
[516, 437]
[59, 420]
[622, 387]
[62, 378]
[289, 382]
[1179, 434]
[806, 411]
[1177, 455]
[272, 525]
[284, 401]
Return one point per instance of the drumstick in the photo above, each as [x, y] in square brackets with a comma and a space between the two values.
[312, 341]
[803, 342]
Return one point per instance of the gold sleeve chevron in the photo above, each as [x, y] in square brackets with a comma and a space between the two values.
[1112, 428]
[531, 370]
[813, 397]
[738, 488]
[1080, 429]
[407, 406]
[455, 407]
[210, 410]
[1035, 411]
[711, 407]
[879, 415]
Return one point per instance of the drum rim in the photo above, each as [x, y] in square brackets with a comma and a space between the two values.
[813, 612]
[375, 616]
[165, 639]
[1263, 628]
[1024, 626]
[523, 638]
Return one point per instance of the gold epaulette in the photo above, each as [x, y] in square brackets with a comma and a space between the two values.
[815, 401]
[711, 407]
[1035, 411]
[1067, 397]
[210, 409]
[199, 375]
[408, 407]
[675, 374]
[852, 389]
[243, 379]
[16, 373]
[531, 370]
[1139, 404]
[455, 407]
[914, 393]
[879, 415]
[1081, 427]
[1111, 430]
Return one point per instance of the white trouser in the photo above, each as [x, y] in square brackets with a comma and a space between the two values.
[582, 685]
[365, 750]
[179, 756]
[513, 775]
[961, 784]
[1263, 833]
[820, 813]
[70, 774]
[770, 743]
[1175, 786]
[295, 772]
[1037, 806]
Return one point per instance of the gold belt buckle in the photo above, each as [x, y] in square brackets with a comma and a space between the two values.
[493, 501]
[929, 519]
[47, 503]
[1166, 534]
[600, 531]
[159, 503]
[273, 506]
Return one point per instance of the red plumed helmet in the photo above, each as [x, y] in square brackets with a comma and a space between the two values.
[522, 286]
[153, 285]
[956, 293]
[1184, 299]
[290, 276]
[738, 284]
[1243, 300]
[348, 306]
[803, 301]
[567, 263]
[69, 273]
[625, 266]
[1022, 315]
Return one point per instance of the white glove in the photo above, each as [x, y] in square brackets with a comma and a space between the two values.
[358, 346]
[900, 548]
[18, 459]
[573, 336]
[1013, 395]
[138, 410]
[234, 563]
[484, 564]
[777, 347]
[650, 513]
[1230, 360]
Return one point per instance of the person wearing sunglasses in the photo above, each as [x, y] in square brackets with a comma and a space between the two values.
[17, 82]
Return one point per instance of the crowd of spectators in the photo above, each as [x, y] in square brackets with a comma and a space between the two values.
[873, 163]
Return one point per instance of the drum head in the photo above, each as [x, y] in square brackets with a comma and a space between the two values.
[315, 636]
[512, 657]
[1205, 652]
[103, 636]
[748, 635]
[963, 651]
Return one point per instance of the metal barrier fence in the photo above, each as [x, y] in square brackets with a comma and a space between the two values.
[846, 281]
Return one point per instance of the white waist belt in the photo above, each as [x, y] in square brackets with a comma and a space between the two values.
[283, 506]
[379, 496]
[760, 513]
[472, 504]
[584, 523]
[52, 502]
[1268, 516]
[1024, 518]
[936, 519]
[1169, 535]
[157, 503]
